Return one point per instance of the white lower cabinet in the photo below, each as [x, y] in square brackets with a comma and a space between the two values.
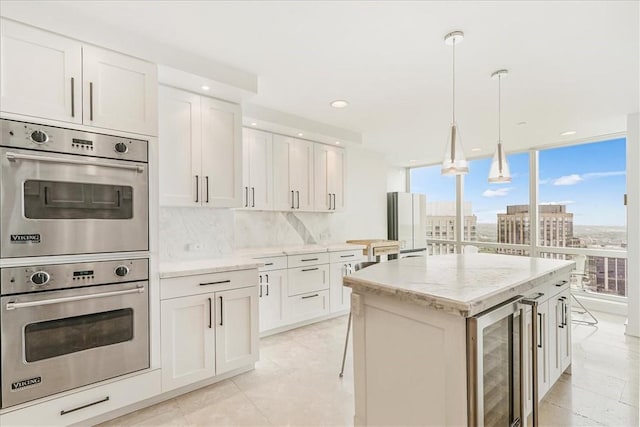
[86, 403]
[209, 325]
[236, 329]
[308, 279]
[272, 288]
[187, 340]
[307, 306]
[342, 264]
[554, 339]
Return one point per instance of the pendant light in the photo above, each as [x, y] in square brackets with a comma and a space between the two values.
[499, 172]
[454, 162]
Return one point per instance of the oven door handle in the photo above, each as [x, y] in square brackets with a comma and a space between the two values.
[12, 157]
[14, 305]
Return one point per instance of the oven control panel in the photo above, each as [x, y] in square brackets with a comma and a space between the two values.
[59, 140]
[16, 280]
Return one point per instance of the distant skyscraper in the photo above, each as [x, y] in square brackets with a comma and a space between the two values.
[606, 275]
[441, 220]
[556, 227]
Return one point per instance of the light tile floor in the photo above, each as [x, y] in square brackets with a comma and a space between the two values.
[296, 383]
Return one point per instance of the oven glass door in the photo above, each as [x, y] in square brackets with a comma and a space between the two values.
[59, 340]
[496, 368]
[61, 204]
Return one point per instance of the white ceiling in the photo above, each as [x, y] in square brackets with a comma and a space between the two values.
[572, 65]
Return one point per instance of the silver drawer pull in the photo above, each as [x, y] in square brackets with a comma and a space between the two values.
[310, 259]
[311, 296]
[12, 157]
[68, 411]
[215, 283]
[14, 305]
[309, 269]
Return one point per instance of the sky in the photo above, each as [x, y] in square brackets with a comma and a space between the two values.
[589, 179]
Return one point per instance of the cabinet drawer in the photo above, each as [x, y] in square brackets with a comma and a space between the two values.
[307, 306]
[273, 263]
[87, 403]
[205, 283]
[308, 259]
[346, 256]
[308, 279]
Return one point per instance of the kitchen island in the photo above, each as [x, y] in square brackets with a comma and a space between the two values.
[413, 319]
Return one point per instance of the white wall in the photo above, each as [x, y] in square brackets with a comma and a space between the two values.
[633, 224]
[195, 233]
[397, 179]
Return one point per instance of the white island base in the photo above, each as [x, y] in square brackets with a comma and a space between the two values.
[408, 357]
[410, 340]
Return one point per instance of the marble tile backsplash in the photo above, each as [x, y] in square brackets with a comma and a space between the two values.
[193, 233]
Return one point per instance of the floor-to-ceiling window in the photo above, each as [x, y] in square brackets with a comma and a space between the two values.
[580, 209]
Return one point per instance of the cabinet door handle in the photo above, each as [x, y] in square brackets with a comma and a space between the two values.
[260, 295]
[267, 279]
[561, 325]
[215, 283]
[267, 288]
[221, 312]
[311, 296]
[197, 188]
[309, 269]
[293, 203]
[253, 197]
[206, 180]
[73, 96]
[540, 342]
[210, 312]
[564, 320]
[260, 278]
[246, 197]
[90, 100]
[298, 196]
[68, 411]
[334, 201]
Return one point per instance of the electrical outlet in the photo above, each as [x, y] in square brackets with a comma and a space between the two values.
[195, 247]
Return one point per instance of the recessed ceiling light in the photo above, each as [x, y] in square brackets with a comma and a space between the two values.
[205, 87]
[301, 134]
[567, 133]
[476, 149]
[339, 103]
[254, 124]
[337, 142]
[521, 123]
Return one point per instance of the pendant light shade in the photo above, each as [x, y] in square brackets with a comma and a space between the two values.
[454, 162]
[499, 172]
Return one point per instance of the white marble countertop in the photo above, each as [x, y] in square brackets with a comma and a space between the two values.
[206, 266]
[464, 285]
[295, 250]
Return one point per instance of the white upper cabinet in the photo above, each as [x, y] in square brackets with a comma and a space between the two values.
[200, 150]
[292, 173]
[257, 187]
[52, 77]
[221, 153]
[41, 73]
[119, 91]
[329, 178]
[180, 147]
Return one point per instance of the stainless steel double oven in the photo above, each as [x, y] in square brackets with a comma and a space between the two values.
[66, 322]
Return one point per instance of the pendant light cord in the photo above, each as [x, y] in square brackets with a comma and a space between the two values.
[499, 109]
[454, 80]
